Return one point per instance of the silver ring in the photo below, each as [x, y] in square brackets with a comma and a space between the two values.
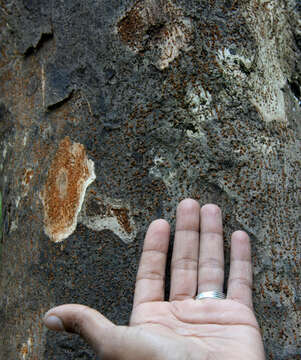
[214, 294]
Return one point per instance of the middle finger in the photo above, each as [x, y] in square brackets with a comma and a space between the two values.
[211, 262]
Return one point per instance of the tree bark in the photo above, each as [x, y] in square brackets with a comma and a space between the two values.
[113, 111]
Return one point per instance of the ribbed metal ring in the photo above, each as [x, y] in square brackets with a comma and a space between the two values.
[214, 294]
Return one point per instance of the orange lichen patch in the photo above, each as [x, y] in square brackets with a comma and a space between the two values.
[156, 25]
[70, 173]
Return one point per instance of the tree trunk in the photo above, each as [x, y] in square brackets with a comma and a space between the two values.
[113, 111]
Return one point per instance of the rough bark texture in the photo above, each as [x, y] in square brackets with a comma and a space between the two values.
[162, 100]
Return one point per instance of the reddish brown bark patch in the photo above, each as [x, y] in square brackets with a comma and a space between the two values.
[123, 219]
[28, 174]
[158, 26]
[70, 173]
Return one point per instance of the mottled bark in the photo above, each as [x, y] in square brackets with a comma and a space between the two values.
[161, 100]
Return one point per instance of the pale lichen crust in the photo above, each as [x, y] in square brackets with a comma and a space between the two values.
[100, 213]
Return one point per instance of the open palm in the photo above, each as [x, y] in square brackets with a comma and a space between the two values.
[181, 328]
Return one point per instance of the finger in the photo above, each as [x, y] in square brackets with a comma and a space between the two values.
[97, 330]
[211, 261]
[240, 277]
[151, 272]
[184, 263]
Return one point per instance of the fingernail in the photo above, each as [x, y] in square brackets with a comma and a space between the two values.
[54, 323]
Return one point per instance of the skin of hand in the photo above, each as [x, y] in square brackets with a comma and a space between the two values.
[182, 328]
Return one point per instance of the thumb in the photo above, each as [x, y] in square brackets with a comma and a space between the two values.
[97, 330]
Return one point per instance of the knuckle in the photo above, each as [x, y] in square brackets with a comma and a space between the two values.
[185, 263]
[240, 282]
[150, 275]
[212, 263]
[78, 323]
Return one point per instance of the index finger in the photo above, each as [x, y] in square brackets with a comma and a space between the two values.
[211, 262]
[151, 271]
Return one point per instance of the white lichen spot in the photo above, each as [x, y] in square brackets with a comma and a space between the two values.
[163, 172]
[199, 135]
[99, 213]
[70, 173]
[230, 61]
[4, 151]
[265, 145]
[25, 139]
[158, 160]
[13, 226]
[17, 201]
[198, 99]
[199, 102]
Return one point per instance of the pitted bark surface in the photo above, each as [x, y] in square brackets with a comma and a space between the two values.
[200, 99]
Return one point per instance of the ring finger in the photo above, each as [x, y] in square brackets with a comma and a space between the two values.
[211, 258]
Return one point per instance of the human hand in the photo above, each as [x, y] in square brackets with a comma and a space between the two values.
[181, 328]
